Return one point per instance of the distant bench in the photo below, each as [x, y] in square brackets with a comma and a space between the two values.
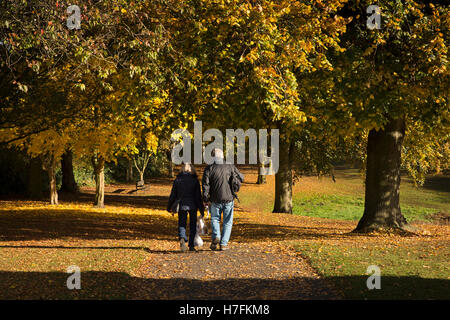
[140, 185]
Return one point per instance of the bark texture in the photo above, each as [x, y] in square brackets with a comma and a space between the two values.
[382, 196]
[68, 183]
[170, 164]
[51, 170]
[129, 170]
[34, 185]
[99, 172]
[261, 178]
[283, 180]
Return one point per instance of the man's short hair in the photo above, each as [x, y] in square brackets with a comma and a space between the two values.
[218, 153]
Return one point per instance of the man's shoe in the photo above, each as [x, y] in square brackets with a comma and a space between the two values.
[224, 248]
[214, 244]
[183, 245]
[192, 249]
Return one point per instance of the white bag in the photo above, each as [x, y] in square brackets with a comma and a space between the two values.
[201, 230]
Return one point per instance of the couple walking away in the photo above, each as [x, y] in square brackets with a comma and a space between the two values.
[220, 183]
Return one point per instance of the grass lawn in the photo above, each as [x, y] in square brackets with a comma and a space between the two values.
[344, 199]
[346, 207]
[40, 273]
[419, 270]
[411, 267]
[38, 242]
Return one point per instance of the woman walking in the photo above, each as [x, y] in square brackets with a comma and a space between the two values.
[186, 192]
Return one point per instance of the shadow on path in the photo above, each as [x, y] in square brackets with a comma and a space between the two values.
[119, 285]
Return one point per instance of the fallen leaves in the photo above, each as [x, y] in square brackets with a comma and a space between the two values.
[129, 249]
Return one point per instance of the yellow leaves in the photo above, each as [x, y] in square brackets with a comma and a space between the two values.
[306, 46]
[252, 56]
[122, 10]
[48, 142]
[380, 41]
[157, 101]
[302, 117]
[104, 139]
[9, 134]
[152, 142]
[272, 19]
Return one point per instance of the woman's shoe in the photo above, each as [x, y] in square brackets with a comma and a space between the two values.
[183, 245]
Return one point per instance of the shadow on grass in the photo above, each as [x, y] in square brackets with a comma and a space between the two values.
[249, 232]
[92, 247]
[58, 223]
[438, 183]
[411, 287]
[120, 285]
[115, 199]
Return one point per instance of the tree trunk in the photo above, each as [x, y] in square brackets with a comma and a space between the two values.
[261, 178]
[51, 170]
[68, 183]
[99, 172]
[34, 187]
[283, 181]
[145, 159]
[382, 198]
[129, 170]
[169, 158]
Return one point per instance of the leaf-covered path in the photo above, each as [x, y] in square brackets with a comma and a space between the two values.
[129, 250]
[247, 271]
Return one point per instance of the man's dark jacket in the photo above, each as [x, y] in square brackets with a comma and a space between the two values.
[186, 187]
[216, 182]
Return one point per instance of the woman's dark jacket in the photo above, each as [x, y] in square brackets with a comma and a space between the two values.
[186, 187]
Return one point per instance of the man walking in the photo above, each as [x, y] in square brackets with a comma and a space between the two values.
[217, 189]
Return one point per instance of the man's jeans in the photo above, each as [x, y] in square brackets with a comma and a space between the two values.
[216, 210]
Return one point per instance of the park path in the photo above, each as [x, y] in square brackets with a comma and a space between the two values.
[258, 265]
[248, 270]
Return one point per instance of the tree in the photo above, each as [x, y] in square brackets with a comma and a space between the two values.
[261, 178]
[34, 183]
[68, 183]
[147, 147]
[101, 142]
[394, 81]
[244, 57]
[129, 173]
[49, 146]
[36, 47]
[112, 62]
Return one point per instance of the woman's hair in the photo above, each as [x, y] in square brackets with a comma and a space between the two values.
[188, 167]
